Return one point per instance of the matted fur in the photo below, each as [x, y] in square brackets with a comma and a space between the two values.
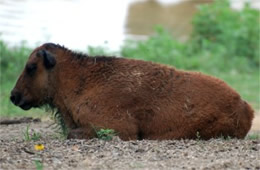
[138, 99]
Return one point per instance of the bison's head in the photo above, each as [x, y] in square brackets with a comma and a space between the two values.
[32, 87]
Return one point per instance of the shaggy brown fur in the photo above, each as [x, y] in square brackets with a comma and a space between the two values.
[138, 99]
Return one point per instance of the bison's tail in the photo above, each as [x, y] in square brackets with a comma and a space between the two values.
[245, 115]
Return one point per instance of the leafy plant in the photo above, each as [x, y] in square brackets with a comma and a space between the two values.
[254, 136]
[105, 134]
[38, 164]
[31, 136]
[12, 60]
[198, 137]
[219, 28]
[160, 47]
[27, 134]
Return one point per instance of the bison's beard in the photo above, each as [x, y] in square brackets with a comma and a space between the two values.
[56, 115]
[48, 105]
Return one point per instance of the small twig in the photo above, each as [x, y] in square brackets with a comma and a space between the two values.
[27, 151]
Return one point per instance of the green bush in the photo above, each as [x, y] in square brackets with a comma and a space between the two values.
[236, 33]
[12, 60]
[161, 48]
[99, 50]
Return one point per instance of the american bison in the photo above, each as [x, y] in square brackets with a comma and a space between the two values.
[138, 99]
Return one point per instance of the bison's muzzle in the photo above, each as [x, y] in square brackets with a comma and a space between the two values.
[19, 100]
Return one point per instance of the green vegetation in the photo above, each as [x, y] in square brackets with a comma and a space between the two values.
[224, 43]
[31, 136]
[222, 39]
[198, 137]
[253, 136]
[38, 165]
[105, 134]
[61, 127]
[233, 34]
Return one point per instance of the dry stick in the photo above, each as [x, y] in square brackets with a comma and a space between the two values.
[27, 151]
[18, 121]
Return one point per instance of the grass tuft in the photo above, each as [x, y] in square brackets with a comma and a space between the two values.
[106, 134]
[38, 165]
[253, 136]
[31, 135]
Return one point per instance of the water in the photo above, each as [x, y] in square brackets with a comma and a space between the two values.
[76, 23]
[79, 23]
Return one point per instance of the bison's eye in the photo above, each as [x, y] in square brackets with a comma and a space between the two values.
[31, 68]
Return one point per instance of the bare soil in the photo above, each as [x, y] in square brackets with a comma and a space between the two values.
[16, 153]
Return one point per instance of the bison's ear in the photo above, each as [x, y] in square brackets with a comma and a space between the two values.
[48, 59]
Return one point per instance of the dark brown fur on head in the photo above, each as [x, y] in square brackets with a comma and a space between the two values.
[138, 99]
[32, 87]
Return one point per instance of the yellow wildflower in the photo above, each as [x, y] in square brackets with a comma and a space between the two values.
[39, 147]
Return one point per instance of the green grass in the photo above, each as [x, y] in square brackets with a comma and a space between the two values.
[38, 165]
[198, 137]
[254, 136]
[31, 135]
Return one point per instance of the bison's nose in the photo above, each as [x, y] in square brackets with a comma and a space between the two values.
[15, 97]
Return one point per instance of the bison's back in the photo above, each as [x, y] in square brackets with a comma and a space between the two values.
[201, 105]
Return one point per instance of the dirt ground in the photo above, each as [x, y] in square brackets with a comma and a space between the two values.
[16, 153]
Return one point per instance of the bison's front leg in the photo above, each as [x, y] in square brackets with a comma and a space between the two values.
[69, 122]
[81, 133]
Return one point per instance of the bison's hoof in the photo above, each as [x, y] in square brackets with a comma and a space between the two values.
[76, 134]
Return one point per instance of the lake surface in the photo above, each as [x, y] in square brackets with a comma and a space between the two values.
[79, 23]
